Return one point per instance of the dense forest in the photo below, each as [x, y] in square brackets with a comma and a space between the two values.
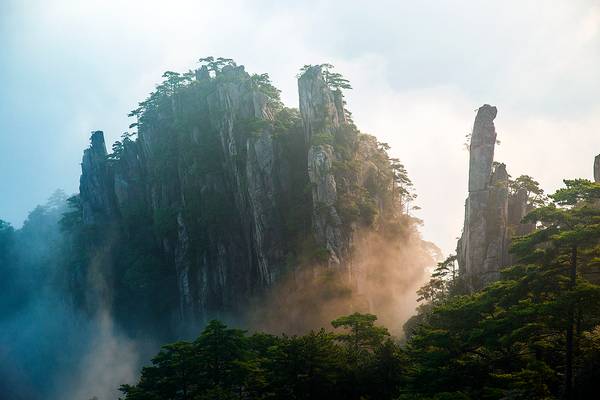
[533, 334]
[286, 237]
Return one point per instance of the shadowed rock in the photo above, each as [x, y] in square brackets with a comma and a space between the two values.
[96, 183]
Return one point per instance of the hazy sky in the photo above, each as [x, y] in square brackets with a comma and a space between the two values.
[419, 70]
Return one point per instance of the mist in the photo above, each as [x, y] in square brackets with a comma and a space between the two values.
[384, 272]
[418, 72]
[54, 349]
[109, 360]
[50, 348]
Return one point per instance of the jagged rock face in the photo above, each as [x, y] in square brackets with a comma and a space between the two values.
[482, 246]
[253, 186]
[232, 264]
[129, 176]
[597, 168]
[317, 104]
[96, 183]
[228, 200]
[321, 116]
[213, 191]
[326, 221]
[492, 215]
[496, 223]
[215, 220]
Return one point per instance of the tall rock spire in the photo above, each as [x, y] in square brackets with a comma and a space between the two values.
[481, 151]
[597, 168]
[482, 246]
[493, 213]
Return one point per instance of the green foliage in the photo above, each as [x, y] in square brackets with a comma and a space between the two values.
[256, 126]
[264, 85]
[535, 334]
[357, 205]
[362, 335]
[6, 241]
[321, 138]
[9, 285]
[225, 363]
[403, 185]
[510, 340]
[303, 367]
[577, 192]
[535, 194]
[525, 336]
[216, 65]
[286, 121]
[119, 145]
[443, 280]
[334, 80]
[178, 94]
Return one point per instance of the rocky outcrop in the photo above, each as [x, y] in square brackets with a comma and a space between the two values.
[481, 149]
[219, 267]
[129, 176]
[321, 116]
[478, 248]
[597, 168]
[224, 191]
[231, 106]
[492, 213]
[212, 189]
[209, 191]
[96, 183]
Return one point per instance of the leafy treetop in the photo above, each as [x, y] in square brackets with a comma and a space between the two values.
[334, 80]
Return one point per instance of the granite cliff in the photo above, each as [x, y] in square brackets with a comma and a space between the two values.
[225, 192]
[494, 207]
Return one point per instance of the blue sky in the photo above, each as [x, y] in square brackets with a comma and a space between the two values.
[419, 70]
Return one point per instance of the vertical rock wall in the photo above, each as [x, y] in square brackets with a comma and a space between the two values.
[492, 214]
[484, 227]
[321, 119]
[222, 195]
[211, 188]
[96, 183]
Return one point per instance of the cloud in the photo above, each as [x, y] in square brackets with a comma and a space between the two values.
[112, 360]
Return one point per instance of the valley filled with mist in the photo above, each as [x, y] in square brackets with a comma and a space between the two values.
[387, 201]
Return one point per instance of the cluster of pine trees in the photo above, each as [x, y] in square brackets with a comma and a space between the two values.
[534, 334]
[225, 363]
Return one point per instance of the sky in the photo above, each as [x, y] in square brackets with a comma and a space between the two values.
[419, 71]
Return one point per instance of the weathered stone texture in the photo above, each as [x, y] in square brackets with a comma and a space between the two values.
[492, 215]
[216, 192]
[321, 116]
[96, 183]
